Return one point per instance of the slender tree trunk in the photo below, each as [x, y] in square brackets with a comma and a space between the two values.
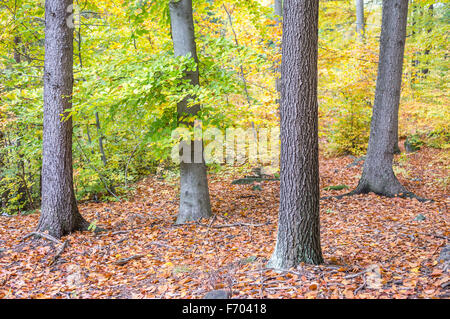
[429, 20]
[59, 211]
[415, 17]
[194, 192]
[299, 226]
[17, 42]
[100, 139]
[22, 191]
[278, 10]
[360, 23]
[378, 176]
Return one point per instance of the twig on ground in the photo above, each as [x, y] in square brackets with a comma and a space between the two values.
[261, 289]
[123, 261]
[115, 233]
[361, 287]
[234, 225]
[158, 243]
[281, 288]
[434, 235]
[356, 275]
[59, 252]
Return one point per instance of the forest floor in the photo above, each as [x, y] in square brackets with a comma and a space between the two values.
[374, 247]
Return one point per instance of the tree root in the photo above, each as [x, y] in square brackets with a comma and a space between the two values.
[42, 235]
[405, 195]
[59, 252]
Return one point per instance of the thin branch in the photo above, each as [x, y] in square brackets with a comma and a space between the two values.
[234, 225]
[128, 163]
[98, 172]
[124, 261]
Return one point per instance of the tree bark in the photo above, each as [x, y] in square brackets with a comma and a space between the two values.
[194, 193]
[378, 176]
[429, 23]
[278, 10]
[298, 237]
[360, 23]
[100, 139]
[17, 42]
[59, 211]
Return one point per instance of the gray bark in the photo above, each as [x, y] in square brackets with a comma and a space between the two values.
[429, 30]
[378, 176]
[100, 139]
[298, 237]
[360, 23]
[59, 211]
[278, 10]
[194, 192]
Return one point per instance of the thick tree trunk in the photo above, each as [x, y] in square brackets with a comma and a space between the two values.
[194, 192]
[299, 226]
[378, 176]
[59, 211]
[360, 23]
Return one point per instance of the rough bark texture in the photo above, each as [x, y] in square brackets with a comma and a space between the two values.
[194, 192]
[298, 226]
[378, 176]
[360, 23]
[59, 212]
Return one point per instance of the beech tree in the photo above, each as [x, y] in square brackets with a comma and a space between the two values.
[194, 192]
[378, 175]
[298, 238]
[59, 211]
[278, 11]
[278, 8]
[360, 23]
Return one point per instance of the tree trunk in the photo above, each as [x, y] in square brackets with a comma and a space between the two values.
[278, 10]
[299, 225]
[100, 139]
[17, 42]
[194, 192]
[360, 23]
[378, 176]
[416, 17]
[59, 211]
[429, 19]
